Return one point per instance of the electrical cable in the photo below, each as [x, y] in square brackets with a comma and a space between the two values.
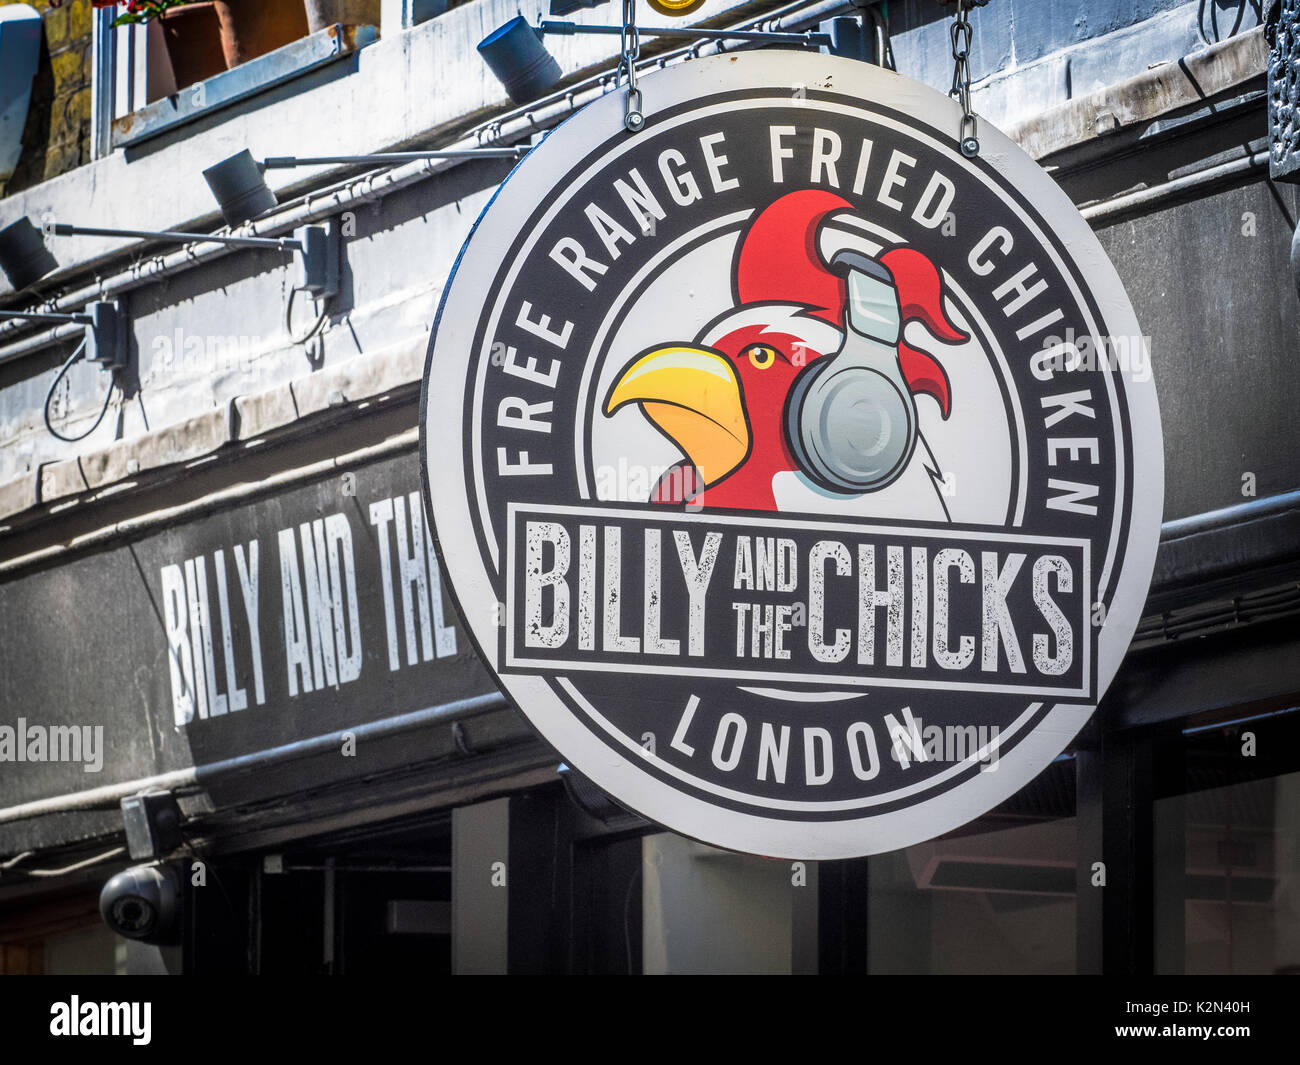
[1214, 20]
[208, 867]
[885, 45]
[45, 410]
[316, 327]
[627, 917]
[67, 868]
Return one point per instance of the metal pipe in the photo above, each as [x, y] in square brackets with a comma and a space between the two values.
[255, 920]
[1227, 517]
[330, 930]
[314, 207]
[1131, 201]
[1218, 725]
[37, 341]
[194, 778]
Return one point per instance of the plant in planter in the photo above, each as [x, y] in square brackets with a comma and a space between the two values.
[248, 28]
[142, 10]
[190, 33]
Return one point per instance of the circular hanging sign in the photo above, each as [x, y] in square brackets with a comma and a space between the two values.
[797, 477]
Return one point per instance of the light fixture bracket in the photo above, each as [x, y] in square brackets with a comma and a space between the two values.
[320, 258]
[106, 341]
[317, 247]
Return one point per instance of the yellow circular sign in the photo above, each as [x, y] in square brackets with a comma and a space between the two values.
[675, 8]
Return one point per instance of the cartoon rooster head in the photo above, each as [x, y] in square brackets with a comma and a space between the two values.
[723, 399]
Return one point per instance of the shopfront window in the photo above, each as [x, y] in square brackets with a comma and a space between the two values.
[989, 902]
[1227, 862]
[712, 911]
[996, 897]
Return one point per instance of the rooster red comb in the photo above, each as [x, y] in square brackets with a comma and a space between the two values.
[779, 261]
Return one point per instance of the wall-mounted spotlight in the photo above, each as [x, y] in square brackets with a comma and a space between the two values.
[242, 192]
[316, 246]
[516, 55]
[24, 258]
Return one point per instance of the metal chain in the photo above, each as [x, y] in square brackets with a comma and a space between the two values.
[630, 41]
[961, 34]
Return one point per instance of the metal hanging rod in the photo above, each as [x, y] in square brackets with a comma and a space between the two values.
[287, 162]
[50, 316]
[66, 229]
[818, 40]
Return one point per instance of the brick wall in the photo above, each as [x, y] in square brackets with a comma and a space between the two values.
[56, 137]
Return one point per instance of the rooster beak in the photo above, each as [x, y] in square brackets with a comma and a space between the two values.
[693, 395]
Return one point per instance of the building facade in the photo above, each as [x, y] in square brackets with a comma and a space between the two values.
[222, 592]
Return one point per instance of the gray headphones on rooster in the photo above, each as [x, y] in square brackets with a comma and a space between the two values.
[850, 419]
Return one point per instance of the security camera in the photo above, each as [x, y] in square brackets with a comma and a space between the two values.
[143, 903]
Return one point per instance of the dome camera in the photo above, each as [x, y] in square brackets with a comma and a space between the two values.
[143, 903]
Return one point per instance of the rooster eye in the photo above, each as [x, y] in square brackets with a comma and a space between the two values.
[761, 356]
